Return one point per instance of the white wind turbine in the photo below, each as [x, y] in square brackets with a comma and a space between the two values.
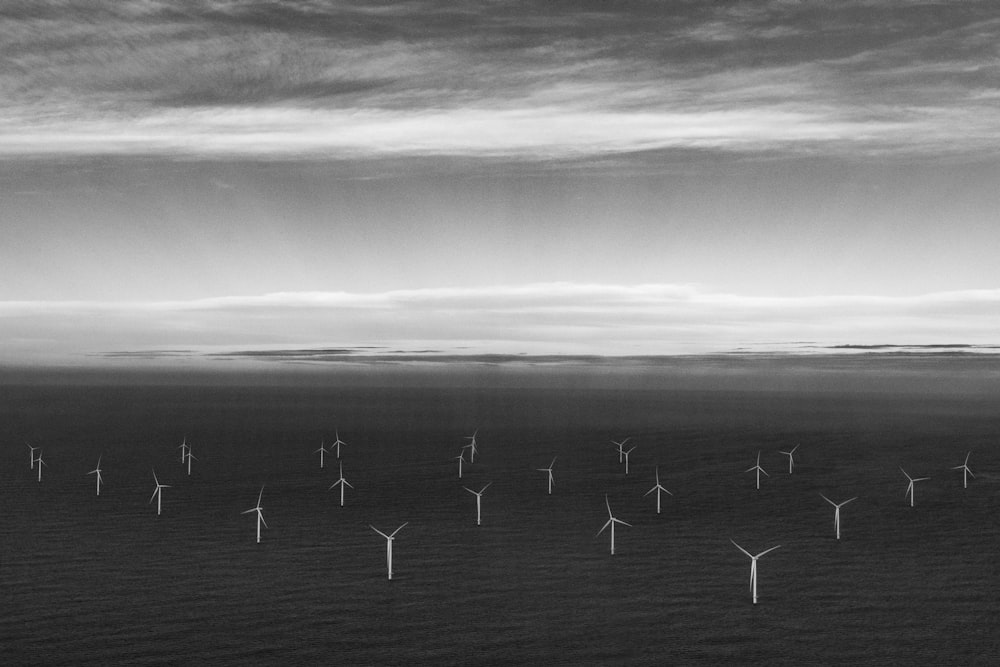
[966, 471]
[758, 469]
[836, 511]
[909, 488]
[621, 447]
[184, 449]
[472, 446]
[97, 471]
[189, 457]
[479, 501]
[322, 451]
[626, 453]
[31, 455]
[158, 494]
[40, 463]
[461, 460]
[753, 566]
[611, 522]
[659, 489]
[549, 471]
[338, 443]
[342, 483]
[791, 458]
[388, 545]
[260, 513]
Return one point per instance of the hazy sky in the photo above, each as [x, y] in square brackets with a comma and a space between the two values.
[609, 177]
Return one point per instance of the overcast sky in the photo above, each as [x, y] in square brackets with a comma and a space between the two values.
[599, 177]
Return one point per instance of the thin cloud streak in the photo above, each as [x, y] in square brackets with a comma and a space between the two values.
[560, 318]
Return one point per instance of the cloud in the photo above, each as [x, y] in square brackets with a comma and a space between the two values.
[556, 318]
[334, 80]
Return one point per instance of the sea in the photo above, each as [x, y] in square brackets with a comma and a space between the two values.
[99, 580]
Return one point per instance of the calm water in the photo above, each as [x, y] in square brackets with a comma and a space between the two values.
[103, 580]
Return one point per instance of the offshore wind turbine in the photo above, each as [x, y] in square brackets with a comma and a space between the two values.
[836, 511]
[97, 471]
[322, 451]
[338, 443]
[611, 522]
[184, 449]
[40, 463]
[791, 457]
[966, 471]
[461, 460]
[621, 447]
[626, 453]
[479, 501]
[260, 514]
[758, 469]
[472, 446]
[659, 489]
[158, 494]
[31, 455]
[753, 566]
[342, 483]
[549, 471]
[909, 488]
[189, 457]
[388, 545]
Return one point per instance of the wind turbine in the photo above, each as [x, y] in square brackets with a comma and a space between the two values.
[626, 453]
[342, 482]
[611, 522]
[40, 463]
[189, 457]
[753, 566]
[461, 460]
[658, 488]
[388, 545]
[966, 471]
[836, 511]
[549, 471]
[31, 456]
[758, 469]
[621, 447]
[184, 449]
[260, 514]
[97, 471]
[909, 488]
[158, 494]
[322, 452]
[472, 446]
[479, 501]
[338, 443]
[791, 458]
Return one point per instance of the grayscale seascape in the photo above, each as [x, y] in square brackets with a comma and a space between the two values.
[90, 580]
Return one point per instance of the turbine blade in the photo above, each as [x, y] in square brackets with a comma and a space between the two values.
[624, 523]
[378, 531]
[649, 492]
[261, 515]
[768, 551]
[740, 548]
[398, 529]
[848, 500]
[828, 500]
[604, 526]
[347, 483]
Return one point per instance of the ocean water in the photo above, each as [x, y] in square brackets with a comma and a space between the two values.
[87, 580]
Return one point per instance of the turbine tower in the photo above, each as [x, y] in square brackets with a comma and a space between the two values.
[260, 513]
[659, 489]
[753, 566]
[611, 522]
[388, 545]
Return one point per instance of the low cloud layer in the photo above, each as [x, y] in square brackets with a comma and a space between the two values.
[541, 319]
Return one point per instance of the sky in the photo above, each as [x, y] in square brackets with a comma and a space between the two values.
[496, 177]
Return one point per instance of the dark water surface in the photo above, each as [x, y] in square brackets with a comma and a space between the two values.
[88, 580]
